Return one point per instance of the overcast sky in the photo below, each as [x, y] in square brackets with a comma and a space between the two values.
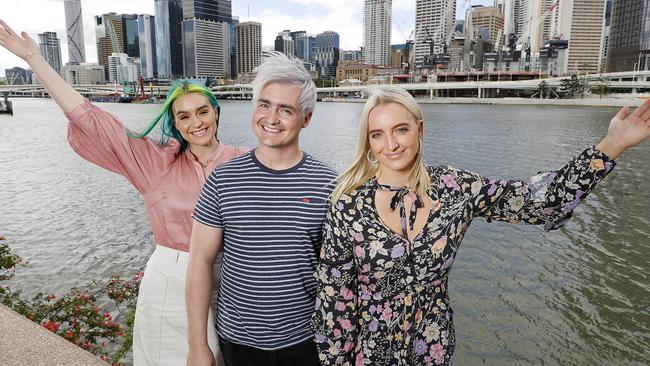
[314, 16]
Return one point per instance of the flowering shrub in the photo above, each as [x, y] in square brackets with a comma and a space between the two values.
[75, 315]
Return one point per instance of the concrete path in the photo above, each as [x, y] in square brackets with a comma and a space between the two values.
[25, 343]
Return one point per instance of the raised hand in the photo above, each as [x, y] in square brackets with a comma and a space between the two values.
[626, 130]
[21, 45]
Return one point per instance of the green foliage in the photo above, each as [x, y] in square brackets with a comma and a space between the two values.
[75, 315]
[573, 86]
[601, 88]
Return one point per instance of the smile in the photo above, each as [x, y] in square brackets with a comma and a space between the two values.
[199, 133]
[271, 129]
[394, 156]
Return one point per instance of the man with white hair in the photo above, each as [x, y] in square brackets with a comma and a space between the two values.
[265, 209]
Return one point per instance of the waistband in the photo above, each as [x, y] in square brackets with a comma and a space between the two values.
[173, 262]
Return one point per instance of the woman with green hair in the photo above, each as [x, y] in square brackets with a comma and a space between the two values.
[169, 174]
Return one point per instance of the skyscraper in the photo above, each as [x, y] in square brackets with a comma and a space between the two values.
[249, 46]
[50, 49]
[629, 40]
[284, 43]
[130, 30]
[147, 40]
[581, 22]
[75, 32]
[376, 31]
[108, 30]
[434, 22]
[215, 10]
[488, 18]
[206, 46]
[327, 53]
[169, 15]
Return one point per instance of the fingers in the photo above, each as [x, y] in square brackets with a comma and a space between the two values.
[623, 113]
[7, 28]
[643, 110]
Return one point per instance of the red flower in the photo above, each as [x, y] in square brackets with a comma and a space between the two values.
[52, 297]
[51, 326]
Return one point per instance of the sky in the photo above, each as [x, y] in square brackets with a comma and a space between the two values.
[313, 16]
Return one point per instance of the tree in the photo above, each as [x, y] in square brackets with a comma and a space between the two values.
[602, 87]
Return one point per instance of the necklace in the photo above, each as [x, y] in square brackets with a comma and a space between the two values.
[205, 164]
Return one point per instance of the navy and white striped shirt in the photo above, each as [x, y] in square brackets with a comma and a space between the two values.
[272, 224]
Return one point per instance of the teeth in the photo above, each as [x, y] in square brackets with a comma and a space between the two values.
[199, 132]
[270, 129]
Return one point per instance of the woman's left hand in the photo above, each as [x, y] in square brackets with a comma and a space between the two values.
[626, 130]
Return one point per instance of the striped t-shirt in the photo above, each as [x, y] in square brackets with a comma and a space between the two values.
[272, 223]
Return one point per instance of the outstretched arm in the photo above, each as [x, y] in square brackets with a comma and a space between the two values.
[26, 48]
[626, 130]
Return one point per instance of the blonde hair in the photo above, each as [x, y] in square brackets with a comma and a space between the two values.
[361, 169]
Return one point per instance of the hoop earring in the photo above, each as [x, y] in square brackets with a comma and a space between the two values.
[370, 160]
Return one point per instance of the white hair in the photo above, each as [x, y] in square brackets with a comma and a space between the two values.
[278, 68]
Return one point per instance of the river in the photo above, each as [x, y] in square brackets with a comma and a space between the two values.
[522, 296]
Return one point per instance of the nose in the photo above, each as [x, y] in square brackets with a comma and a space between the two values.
[273, 117]
[392, 143]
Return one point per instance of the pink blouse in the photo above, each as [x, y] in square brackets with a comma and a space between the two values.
[168, 179]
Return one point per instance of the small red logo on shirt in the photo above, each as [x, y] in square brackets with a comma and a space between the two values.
[306, 200]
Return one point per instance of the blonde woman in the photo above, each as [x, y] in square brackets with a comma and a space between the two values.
[395, 225]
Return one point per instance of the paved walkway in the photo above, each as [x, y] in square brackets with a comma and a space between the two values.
[25, 343]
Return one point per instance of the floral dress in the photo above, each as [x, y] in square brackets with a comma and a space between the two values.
[382, 299]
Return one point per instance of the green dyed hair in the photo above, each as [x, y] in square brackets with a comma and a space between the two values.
[166, 115]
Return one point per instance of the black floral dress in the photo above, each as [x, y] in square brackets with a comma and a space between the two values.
[382, 300]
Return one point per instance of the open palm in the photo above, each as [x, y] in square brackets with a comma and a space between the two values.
[20, 45]
[630, 129]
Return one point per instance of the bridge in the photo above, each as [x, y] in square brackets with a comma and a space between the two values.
[626, 82]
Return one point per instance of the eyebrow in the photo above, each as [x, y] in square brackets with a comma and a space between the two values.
[287, 106]
[399, 125]
[196, 109]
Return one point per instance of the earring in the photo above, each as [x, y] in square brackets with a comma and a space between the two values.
[370, 160]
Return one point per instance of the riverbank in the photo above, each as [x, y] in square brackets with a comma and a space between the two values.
[590, 101]
[24, 342]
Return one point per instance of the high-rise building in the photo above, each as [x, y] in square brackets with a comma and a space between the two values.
[169, 48]
[284, 43]
[215, 10]
[110, 37]
[249, 46]
[305, 44]
[206, 48]
[489, 18]
[147, 40]
[629, 40]
[131, 34]
[434, 22]
[376, 31]
[327, 53]
[581, 23]
[606, 32]
[18, 76]
[50, 49]
[83, 74]
[75, 32]
[536, 27]
[123, 69]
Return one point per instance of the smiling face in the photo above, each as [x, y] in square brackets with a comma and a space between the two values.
[278, 117]
[195, 119]
[394, 134]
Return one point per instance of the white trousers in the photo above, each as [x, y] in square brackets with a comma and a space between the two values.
[160, 330]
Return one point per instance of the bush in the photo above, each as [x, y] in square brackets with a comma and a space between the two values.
[75, 315]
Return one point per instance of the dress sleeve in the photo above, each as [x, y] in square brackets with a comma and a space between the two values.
[335, 319]
[102, 139]
[548, 198]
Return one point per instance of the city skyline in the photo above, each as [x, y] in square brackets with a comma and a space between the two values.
[314, 16]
